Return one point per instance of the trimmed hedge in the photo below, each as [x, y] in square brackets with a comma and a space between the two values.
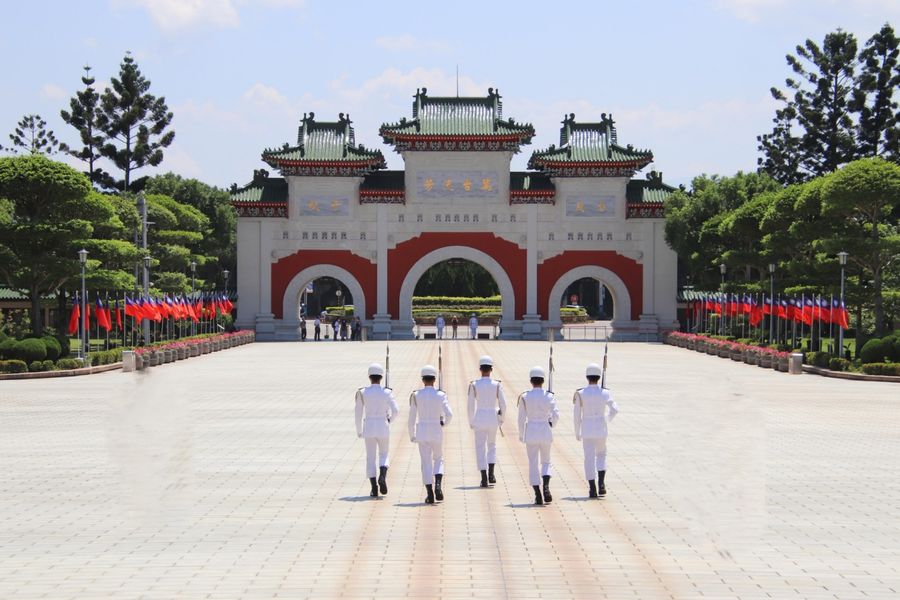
[54, 349]
[882, 369]
[30, 350]
[41, 365]
[65, 364]
[455, 301]
[839, 364]
[877, 351]
[13, 366]
[7, 348]
[817, 359]
[106, 357]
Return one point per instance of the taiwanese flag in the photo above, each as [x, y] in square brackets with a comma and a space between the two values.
[840, 315]
[192, 311]
[198, 307]
[132, 308]
[163, 306]
[782, 307]
[76, 314]
[817, 309]
[756, 312]
[118, 316]
[825, 310]
[732, 306]
[806, 313]
[87, 313]
[102, 318]
[156, 306]
[229, 305]
[766, 306]
[746, 304]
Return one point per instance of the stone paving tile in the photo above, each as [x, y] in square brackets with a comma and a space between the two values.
[239, 475]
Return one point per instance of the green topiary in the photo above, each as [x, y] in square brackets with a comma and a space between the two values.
[53, 347]
[30, 349]
[876, 351]
[817, 359]
[14, 366]
[839, 364]
[65, 364]
[7, 348]
[36, 366]
[882, 369]
[49, 365]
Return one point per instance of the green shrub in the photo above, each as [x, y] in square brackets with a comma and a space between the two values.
[817, 359]
[13, 366]
[65, 344]
[52, 346]
[7, 348]
[30, 350]
[839, 364]
[3, 337]
[36, 366]
[65, 364]
[882, 369]
[49, 365]
[455, 301]
[876, 351]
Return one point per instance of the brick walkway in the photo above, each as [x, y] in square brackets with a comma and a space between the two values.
[239, 475]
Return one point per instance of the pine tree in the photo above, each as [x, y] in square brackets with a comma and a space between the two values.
[83, 117]
[134, 122]
[879, 118]
[31, 134]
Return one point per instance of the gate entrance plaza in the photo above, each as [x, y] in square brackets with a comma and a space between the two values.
[239, 476]
[577, 212]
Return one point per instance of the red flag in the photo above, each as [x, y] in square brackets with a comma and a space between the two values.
[76, 313]
[118, 316]
[102, 319]
[87, 314]
[842, 316]
[756, 313]
[806, 313]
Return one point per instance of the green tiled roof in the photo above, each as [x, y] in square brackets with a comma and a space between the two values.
[589, 143]
[378, 181]
[323, 142]
[648, 191]
[8, 294]
[456, 116]
[262, 189]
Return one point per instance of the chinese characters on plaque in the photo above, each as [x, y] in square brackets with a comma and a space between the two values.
[591, 206]
[457, 184]
[319, 205]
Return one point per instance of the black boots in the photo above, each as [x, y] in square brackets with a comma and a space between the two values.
[438, 492]
[484, 479]
[374, 492]
[547, 497]
[491, 478]
[601, 488]
[592, 492]
[382, 479]
[538, 499]
[429, 499]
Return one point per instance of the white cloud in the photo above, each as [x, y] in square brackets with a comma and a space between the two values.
[52, 91]
[177, 160]
[174, 15]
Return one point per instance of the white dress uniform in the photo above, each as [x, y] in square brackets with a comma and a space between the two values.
[594, 408]
[473, 326]
[440, 323]
[375, 408]
[537, 414]
[485, 398]
[426, 407]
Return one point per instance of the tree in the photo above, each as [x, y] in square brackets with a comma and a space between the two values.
[218, 249]
[879, 119]
[31, 134]
[174, 238]
[83, 116]
[863, 200]
[53, 215]
[456, 278]
[134, 122]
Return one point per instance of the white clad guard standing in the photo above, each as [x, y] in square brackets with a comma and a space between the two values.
[537, 416]
[439, 323]
[592, 405]
[429, 411]
[375, 408]
[487, 409]
[473, 326]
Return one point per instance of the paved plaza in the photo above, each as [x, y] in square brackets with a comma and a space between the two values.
[239, 475]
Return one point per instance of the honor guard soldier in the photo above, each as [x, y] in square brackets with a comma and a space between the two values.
[375, 407]
[537, 416]
[429, 411]
[594, 407]
[487, 409]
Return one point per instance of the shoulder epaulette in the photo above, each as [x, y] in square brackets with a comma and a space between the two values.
[389, 389]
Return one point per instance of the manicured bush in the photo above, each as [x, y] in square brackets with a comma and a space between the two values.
[36, 366]
[839, 364]
[49, 365]
[817, 359]
[52, 346]
[13, 366]
[876, 351]
[30, 349]
[882, 369]
[7, 348]
[65, 344]
[65, 364]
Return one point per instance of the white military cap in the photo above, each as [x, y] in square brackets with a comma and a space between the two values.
[485, 361]
[376, 369]
[536, 372]
[429, 371]
[593, 369]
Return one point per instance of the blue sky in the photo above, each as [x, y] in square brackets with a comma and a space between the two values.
[687, 79]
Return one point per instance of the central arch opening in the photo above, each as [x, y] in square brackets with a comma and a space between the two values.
[587, 299]
[449, 294]
[328, 293]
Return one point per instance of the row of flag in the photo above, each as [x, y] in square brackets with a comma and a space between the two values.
[112, 313]
[801, 310]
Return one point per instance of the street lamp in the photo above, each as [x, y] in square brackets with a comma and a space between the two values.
[771, 301]
[82, 341]
[146, 324]
[193, 275]
[842, 257]
[226, 274]
[340, 295]
[722, 269]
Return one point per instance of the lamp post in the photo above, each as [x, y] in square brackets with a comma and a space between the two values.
[146, 322]
[842, 257]
[193, 275]
[771, 301]
[340, 296]
[82, 342]
[722, 269]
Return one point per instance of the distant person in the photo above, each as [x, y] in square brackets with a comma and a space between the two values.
[335, 325]
[344, 326]
[473, 326]
[317, 329]
[454, 324]
[357, 329]
[499, 326]
[303, 329]
[439, 323]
